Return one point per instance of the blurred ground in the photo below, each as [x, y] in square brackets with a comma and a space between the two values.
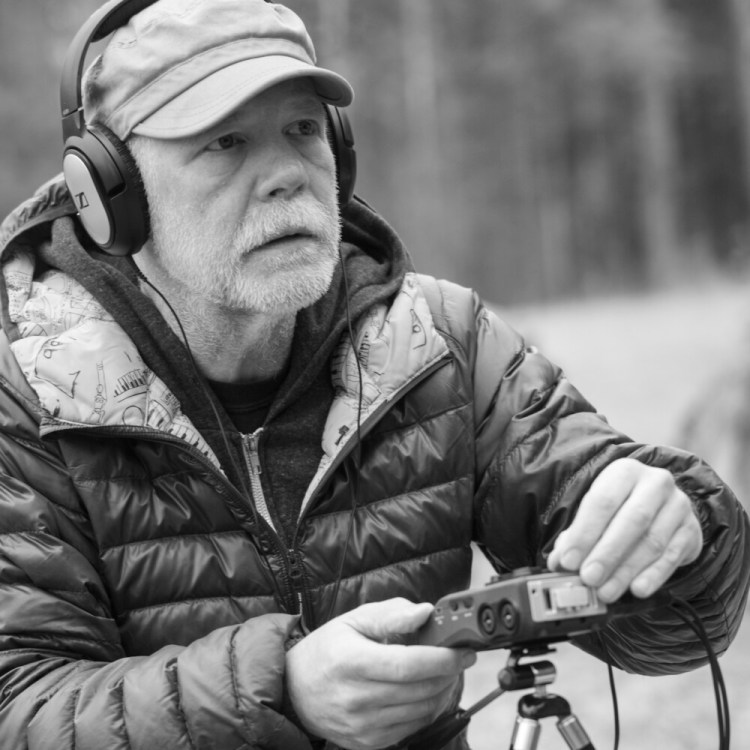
[642, 361]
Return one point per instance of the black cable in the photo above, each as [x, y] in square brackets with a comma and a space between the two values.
[615, 707]
[692, 619]
[612, 691]
[357, 449]
[230, 455]
[202, 385]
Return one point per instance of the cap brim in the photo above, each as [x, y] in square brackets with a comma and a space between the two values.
[215, 97]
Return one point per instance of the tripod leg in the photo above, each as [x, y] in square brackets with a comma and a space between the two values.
[525, 734]
[573, 733]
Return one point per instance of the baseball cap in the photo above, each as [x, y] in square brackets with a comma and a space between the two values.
[178, 67]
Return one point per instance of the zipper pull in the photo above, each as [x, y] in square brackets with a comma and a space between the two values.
[294, 569]
[295, 574]
[252, 455]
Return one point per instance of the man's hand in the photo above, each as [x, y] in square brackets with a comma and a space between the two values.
[633, 529]
[349, 686]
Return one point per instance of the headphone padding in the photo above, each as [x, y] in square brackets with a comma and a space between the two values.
[135, 194]
[342, 144]
[108, 190]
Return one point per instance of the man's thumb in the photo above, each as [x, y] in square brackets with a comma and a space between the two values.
[381, 621]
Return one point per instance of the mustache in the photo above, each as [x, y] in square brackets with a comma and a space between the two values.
[281, 219]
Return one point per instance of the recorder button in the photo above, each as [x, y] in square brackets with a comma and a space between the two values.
[570, 597]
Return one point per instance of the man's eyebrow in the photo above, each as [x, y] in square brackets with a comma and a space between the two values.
[213, 132]
[305, 104]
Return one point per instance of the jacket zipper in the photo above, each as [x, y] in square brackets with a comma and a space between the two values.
[252, 464]
[295, 578]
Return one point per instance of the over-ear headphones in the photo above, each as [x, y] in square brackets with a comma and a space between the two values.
[100, 172]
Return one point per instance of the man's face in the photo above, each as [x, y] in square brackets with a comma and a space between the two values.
[245, 215]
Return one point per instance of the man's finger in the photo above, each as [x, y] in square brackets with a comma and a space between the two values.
[684, 547]
[394, 663]
[638, 543]
[380, 621]
[599, 505]
[636, 536]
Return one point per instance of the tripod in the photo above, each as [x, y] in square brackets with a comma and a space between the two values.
[532, 708]
[540, 704]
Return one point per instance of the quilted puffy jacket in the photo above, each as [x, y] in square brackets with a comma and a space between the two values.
[147, 601]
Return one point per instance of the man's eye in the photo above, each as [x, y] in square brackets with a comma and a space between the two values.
[224, 142]
[306, 127]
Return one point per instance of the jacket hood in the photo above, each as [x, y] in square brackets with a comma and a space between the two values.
[42, 236]
[30, 222]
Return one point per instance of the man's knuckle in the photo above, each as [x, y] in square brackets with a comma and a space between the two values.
[641, 518]
[656, 545]
[661, 479]
[353, 704]
[673, 555]
[608, 503]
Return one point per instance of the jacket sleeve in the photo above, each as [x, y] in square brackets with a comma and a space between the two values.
[65, 681]
[539, 446]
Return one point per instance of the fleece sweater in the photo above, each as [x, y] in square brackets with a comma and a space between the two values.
[374, 261]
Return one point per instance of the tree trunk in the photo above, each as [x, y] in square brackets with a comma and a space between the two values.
[740, 10]
[657, 164]
[422, 178]
[332, 44]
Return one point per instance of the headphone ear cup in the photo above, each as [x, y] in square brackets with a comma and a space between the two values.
[107, 189]
[342, 144]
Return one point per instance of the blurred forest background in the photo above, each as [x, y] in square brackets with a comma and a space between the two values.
[533, 149]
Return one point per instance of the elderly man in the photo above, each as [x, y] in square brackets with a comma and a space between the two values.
[244, 445]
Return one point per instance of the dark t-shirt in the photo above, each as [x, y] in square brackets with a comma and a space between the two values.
[246, 403]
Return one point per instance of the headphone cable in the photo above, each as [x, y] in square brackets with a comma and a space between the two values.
[357, 449]
[219, 422]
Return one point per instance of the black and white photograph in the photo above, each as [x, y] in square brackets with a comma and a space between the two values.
[374, 375]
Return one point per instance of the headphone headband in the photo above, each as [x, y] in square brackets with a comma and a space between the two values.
[100, 24]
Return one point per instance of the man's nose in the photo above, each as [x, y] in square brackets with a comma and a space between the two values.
[282, 174]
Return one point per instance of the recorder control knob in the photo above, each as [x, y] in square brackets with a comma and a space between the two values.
[509, 616]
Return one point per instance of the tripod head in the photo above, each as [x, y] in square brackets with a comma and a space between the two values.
[540, 704]
[531, 708]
